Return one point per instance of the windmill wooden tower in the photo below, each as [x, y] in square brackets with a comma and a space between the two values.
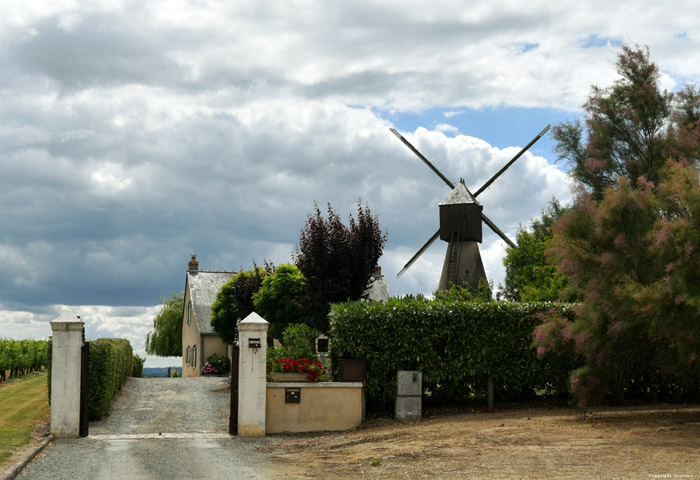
[461, 218]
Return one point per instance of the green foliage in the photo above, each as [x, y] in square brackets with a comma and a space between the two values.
[165, 340]
[300, 341]
[337, 260]
[174, 373]
[466, 293]
[218, 364]
[235, 301]
[455, 344]
[624, 127]
[280, 299]
[629, 243]
[529, 277]
[137, 366]
[110, 366]
[20, 357]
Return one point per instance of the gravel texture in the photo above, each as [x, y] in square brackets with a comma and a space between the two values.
[173, 405]
[191, 413]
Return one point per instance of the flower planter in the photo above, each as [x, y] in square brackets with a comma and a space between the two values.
[288, 377]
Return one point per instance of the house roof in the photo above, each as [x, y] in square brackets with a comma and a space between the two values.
[203, 286]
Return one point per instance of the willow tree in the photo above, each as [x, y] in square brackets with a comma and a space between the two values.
[165, 340]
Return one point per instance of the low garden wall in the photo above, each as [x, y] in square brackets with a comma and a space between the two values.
[322, 406]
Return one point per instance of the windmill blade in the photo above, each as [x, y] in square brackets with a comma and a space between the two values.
[419, 253]
[492, 225]
[497, 230]
[500, 172]
[422, 157]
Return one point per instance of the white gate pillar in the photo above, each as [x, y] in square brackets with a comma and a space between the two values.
[65, 375]
[252, 371]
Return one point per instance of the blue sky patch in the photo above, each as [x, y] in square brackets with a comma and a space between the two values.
[500, 126]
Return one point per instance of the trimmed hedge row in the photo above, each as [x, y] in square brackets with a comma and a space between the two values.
[110, 365]
[456, 345]
[137, 366]
[22, 356]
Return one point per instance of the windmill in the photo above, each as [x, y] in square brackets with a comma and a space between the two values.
[461, 218]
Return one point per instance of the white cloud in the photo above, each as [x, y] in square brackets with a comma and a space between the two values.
[444, 127]
[134, 134]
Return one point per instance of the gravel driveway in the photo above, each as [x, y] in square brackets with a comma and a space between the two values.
[174, 405]
[174, 428]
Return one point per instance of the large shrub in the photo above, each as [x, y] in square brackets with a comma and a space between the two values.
[457, 346]
[110, 365]
[629, 243]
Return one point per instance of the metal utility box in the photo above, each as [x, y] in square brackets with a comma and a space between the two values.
[409, 399]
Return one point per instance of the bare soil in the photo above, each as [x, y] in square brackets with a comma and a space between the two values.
[631, 442]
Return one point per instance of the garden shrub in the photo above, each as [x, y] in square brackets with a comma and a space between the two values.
[110, 365]
[298, 350]
[216, 365]
[300, 340]
[137, 366]
[456, 344]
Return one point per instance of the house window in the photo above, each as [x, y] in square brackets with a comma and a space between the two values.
[194, 356]
[187, 356]
[189, 313]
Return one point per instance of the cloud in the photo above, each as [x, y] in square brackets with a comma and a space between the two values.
[444, 127]
[133, 135]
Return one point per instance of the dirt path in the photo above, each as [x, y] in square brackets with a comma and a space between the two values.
[611, 443]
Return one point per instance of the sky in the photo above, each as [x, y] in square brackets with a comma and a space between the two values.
[135, 133]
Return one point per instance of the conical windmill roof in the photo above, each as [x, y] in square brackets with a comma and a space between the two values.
[460, 195]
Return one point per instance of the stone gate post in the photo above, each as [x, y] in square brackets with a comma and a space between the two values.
[65, 375]
[252, 370]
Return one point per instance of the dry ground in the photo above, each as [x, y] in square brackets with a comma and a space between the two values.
[630, 442]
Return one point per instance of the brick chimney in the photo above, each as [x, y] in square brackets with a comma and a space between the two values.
[193, 266]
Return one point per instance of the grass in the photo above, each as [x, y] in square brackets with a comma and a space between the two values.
[24, 404]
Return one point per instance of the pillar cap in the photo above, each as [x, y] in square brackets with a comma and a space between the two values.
[253, 322]
[67, 321]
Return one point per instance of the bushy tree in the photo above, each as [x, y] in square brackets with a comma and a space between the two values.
[280, 299]
[165, 340]
[235, 301]
[529, 277]
[632, 224]
[337, 260]
[624, 126]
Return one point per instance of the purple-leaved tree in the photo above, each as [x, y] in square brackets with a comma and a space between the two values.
[337, 260]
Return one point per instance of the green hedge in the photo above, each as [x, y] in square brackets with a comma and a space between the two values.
[456, 345]
[137, 366]
[110, 365]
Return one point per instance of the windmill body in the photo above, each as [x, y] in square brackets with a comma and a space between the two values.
[460, 226]
[461, 218]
